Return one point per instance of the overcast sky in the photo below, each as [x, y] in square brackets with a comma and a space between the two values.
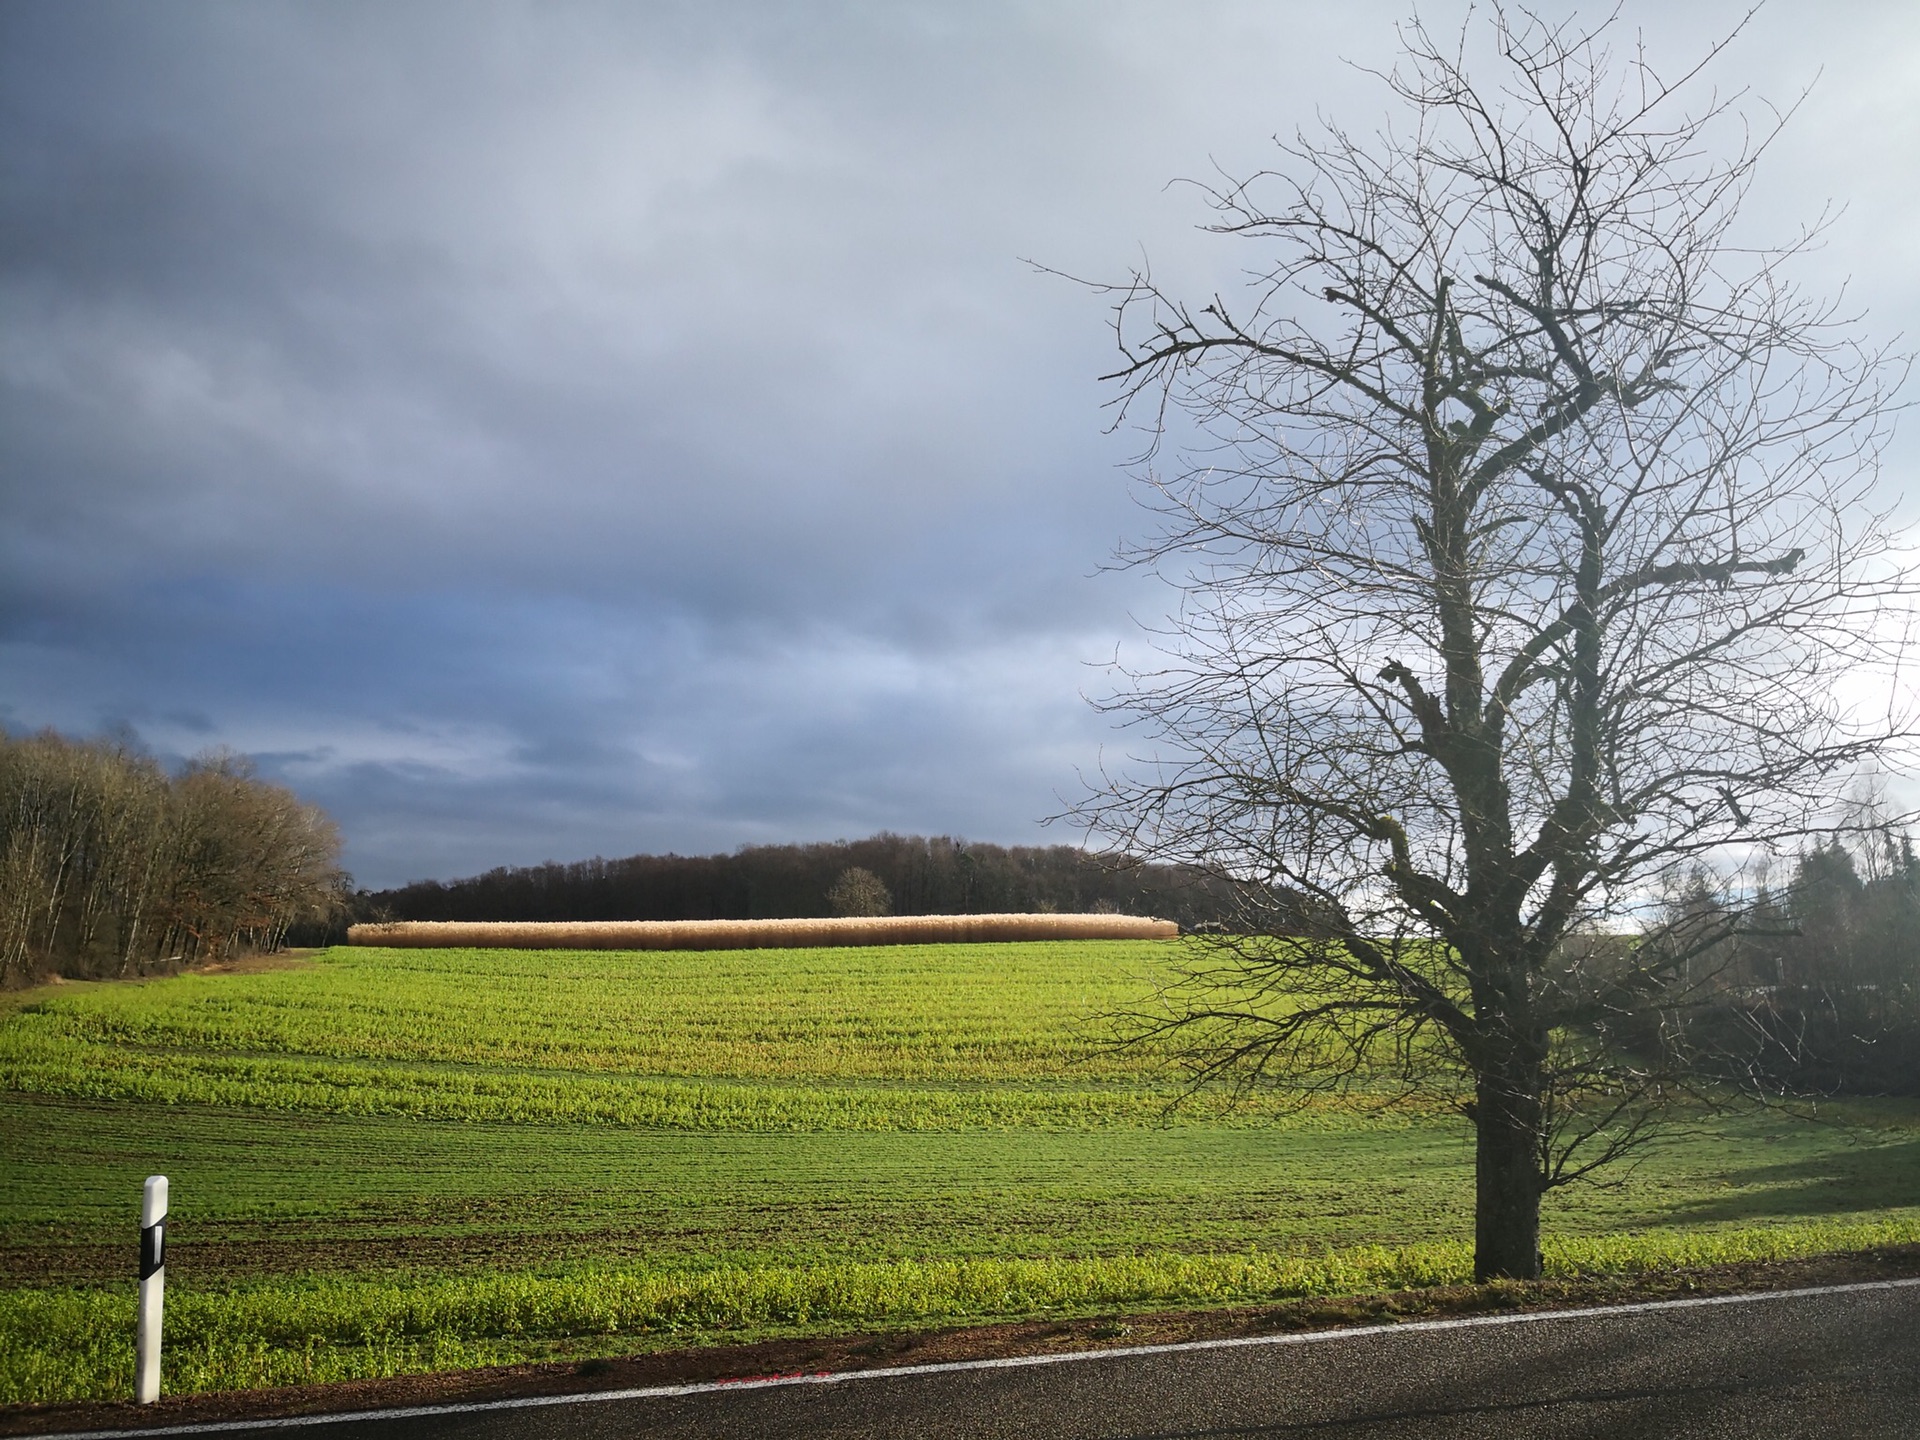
[534, 431]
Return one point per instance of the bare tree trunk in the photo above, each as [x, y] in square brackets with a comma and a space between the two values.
[1507, 1188]
[19, 884]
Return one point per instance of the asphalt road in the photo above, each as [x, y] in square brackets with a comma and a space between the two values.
[1826, 1365]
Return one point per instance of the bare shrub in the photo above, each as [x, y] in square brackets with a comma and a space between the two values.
[859, 892]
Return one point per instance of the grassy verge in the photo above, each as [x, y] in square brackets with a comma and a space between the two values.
[77, 1344]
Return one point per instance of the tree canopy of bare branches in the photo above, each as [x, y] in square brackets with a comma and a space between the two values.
[1524, 518]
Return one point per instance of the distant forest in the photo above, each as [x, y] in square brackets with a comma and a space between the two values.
[112, 867]
[921, 876]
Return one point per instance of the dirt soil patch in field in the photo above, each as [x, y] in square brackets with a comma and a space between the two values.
[842, 1353]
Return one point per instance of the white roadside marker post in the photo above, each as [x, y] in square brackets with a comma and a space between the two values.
[153, 1279]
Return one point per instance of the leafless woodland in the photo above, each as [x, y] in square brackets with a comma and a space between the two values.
[110, 866]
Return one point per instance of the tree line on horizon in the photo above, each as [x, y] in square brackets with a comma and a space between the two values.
[915, 875]
[111, 867]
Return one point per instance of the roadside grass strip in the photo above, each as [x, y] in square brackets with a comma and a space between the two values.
[77, 1344]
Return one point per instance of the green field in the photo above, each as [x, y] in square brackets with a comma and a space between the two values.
[387, 1160]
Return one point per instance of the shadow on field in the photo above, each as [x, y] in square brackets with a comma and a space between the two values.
[1864, 1176]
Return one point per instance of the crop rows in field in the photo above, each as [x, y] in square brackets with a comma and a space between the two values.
[928, 1037]
[259, 1193]
[48, 1066]
[735, 1143]
[995, 1013]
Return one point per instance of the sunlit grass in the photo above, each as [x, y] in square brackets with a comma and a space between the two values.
[404, 1160]
[898, 1037]
[995, 1013]
[73, 1345]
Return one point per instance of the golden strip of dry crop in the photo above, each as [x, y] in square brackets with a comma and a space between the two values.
[754, 934]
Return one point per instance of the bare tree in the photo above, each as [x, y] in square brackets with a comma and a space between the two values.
[859, 892]
[1523, 515]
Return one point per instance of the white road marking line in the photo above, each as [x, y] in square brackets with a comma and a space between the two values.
[1007, 1362]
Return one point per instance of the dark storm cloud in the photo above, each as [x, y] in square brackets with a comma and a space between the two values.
[539, 430]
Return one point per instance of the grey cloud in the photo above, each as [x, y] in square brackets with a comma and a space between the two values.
[536, 430]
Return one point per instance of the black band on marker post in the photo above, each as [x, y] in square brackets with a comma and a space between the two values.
[153, 1250]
